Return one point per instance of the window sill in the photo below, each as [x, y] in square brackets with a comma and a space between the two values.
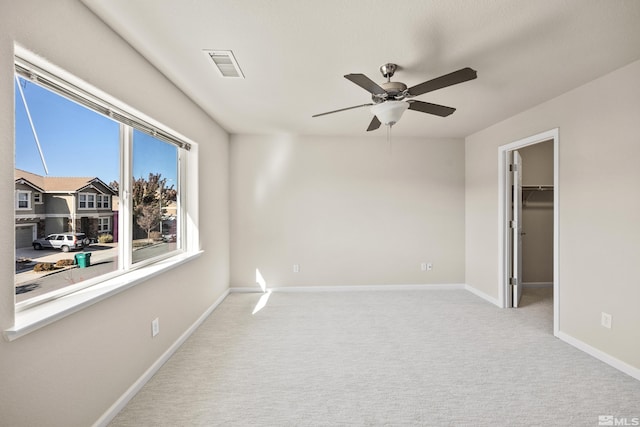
[34, 318]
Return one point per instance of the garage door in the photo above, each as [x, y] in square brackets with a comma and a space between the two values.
[24, 236]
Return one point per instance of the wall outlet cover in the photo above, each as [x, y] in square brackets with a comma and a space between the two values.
[605, 320]
[155, 327]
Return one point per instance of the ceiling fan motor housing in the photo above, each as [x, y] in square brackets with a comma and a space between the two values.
[394, 90]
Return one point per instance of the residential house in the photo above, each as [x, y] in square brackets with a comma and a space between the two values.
[46, 205]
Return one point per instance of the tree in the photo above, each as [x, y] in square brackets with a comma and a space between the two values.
[152, 190]
[148, 217]
[149, 197]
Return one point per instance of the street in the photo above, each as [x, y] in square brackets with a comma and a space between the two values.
[30, 284]
[103, 259]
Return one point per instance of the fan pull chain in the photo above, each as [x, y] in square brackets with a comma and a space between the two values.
[389, 141]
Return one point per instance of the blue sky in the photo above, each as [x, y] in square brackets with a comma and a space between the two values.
[151, 155]
[79, 142]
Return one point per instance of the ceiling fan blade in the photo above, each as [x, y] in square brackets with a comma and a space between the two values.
[375, 124]
[342, 109]
[427, 107]
[462, 75]
[365, 83]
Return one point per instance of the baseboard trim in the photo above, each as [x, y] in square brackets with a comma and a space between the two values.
[119, 405]
[355, 288]
[349, 288]
[244, 289]
[600, 355]
[482, 295]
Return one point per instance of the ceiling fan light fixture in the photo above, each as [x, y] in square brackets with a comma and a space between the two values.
[389, 112]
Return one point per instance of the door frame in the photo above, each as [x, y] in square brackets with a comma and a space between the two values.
[503, 225]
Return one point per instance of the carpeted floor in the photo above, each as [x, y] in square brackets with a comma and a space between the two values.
[383, 358]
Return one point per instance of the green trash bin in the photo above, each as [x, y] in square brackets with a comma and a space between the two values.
[83, 259]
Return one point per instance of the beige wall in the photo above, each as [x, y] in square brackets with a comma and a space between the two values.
[346, 209]
[599, 208]
[70, 372]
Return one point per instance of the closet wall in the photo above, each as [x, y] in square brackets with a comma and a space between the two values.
[537, 213]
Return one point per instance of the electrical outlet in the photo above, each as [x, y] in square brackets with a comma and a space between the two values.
[605, 320]
[155, 327]
[296, 268]
[429, 267]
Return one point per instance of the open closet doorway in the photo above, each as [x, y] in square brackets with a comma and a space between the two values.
[528, 220]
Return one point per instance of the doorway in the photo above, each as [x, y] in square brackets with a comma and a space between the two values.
[533, 199]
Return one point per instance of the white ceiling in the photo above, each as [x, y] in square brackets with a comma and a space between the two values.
[294, 54]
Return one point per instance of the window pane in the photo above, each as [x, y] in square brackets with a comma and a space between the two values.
[70, 137]
[23, 200]
[154, 197]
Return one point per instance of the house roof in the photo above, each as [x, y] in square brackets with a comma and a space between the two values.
[56, 184]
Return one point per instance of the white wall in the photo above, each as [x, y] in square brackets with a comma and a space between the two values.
[599, 207]
[70, 372]
[349, 211]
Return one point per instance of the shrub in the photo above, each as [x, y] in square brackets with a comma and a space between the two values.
[155, 236]
[64, 262]
[44, 266]
[105, 238]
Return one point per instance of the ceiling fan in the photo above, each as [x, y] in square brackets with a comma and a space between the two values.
[391, 99]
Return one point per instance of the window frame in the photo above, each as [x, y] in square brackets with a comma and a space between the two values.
[37, 198]
[29, 204]
[108, 227]
[102, 201]
[86, 201]
[37, 312]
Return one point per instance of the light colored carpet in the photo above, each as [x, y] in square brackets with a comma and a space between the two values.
[384, 358]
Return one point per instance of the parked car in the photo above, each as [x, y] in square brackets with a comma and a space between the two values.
[63, 241]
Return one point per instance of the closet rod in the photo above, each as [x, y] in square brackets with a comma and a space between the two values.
[537, 187]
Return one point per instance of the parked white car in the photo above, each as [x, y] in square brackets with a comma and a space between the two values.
[63, 241]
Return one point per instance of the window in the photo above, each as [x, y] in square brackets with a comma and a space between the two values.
[37, 198]
[102, 201]
[86, 201]
[140, 167]
[23, 199]
[104, 225]
[155, 171]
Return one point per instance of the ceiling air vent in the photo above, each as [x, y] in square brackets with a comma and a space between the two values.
[225, 63]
